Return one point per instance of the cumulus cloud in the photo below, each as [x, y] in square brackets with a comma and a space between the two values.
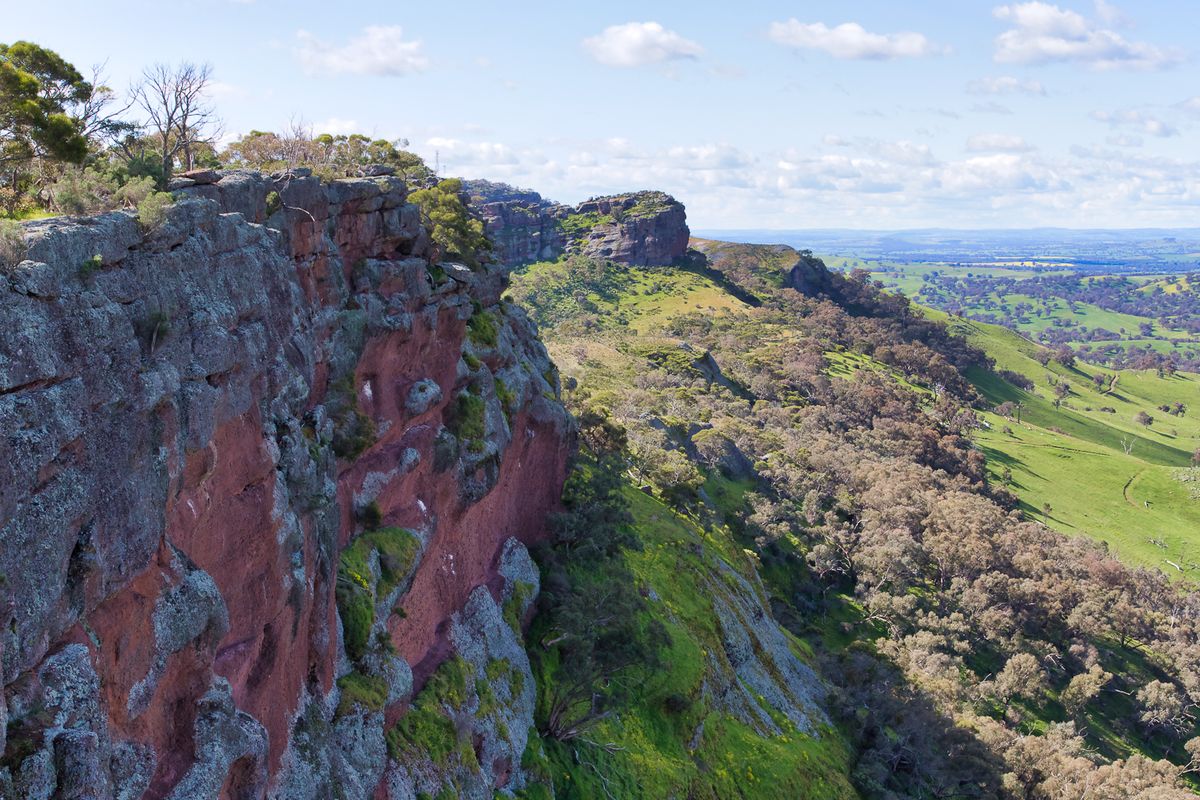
[1042, 33]
[378, 50]
[997, 143]
[638, 44]
[851, 40]
[1005, 84]
[1140, 120]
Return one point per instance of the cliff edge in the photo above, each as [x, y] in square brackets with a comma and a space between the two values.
[264, 469]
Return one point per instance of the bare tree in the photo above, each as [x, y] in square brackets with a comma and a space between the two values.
[100, 114]
[179, 116]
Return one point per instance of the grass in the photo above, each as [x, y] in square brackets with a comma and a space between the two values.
[427, 730]
[361, 691]
[1073, 459]
[670, 741]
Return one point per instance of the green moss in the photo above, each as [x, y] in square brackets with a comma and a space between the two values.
[482, 329]
[521, 593]
[357, 592]
[473, 363]
[274, 202]
[427, 729]
[508, 400]
[363, 691]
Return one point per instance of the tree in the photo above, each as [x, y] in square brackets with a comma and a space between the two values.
[1022, 676]
[1162, 707]
[1142, 418]
[178, 114]
[37, 89]
[456, 234]
[1083, 688]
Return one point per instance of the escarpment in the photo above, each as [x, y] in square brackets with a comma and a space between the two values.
[639, 229]
[265, 471]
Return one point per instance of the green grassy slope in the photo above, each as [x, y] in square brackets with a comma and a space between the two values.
[671, 740]
[1073, 459]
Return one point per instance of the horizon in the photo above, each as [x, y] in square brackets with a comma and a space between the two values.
[998, 114]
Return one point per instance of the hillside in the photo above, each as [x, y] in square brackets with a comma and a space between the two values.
[825, 432]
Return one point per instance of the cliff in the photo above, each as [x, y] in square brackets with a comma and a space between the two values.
[263, 470]
[638, 229]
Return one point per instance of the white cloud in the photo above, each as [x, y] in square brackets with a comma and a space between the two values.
[1005, 84]
[638, 44]
[1191, 105]
[1042, 33]
[336, 126]
[1130, 118]
[220, 90]
[378, 50]
[997, 143]
[850, 40]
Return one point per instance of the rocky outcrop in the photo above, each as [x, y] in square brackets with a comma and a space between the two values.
[263, 469]
[639, 229]
[522, 232]
[642, 229]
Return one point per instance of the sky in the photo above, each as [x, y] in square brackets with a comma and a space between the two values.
[764, 114]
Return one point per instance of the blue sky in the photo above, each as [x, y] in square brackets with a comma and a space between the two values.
[797, 114]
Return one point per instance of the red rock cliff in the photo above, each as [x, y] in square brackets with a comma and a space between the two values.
[213, 437]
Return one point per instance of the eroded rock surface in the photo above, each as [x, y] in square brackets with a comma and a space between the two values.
[205, 441]
[639, 229]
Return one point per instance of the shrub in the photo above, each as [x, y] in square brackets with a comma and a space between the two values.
[135, 191]
[454, 232]
[466, 420]
[481, 329]
[152, 210]
[83, 191]
[12, 243]
[90, 265]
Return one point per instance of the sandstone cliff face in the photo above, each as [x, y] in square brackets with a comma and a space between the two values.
[216, 434]
[640, 229]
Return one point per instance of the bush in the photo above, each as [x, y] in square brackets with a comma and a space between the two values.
[135, 191]
[455, 233]
[83, 191]
[481, 329]
[466, 420]
[12, 243]
[152, 210]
